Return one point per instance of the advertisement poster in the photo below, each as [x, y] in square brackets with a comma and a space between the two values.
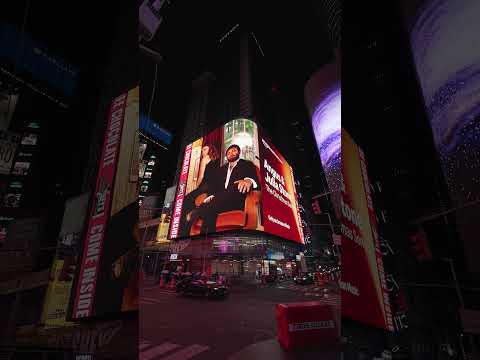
[65, 263]
[108, 277]
[234, 178]
[165, 218]
[30, 139]
[8, 146]
[21, 168]
[364, 294]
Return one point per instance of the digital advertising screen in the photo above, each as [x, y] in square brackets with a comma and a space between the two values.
[107, 280]
[234, 178]
[364, 293]
[165, 218]
[445, 47]
[66, 260]
[324, 100]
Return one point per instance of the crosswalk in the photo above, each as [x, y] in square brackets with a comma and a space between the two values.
[324, 295]
[292, 286]
[169, 351]
[302, 288]
[327, 299]
[147, 298]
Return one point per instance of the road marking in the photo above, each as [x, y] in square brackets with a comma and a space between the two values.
[186, 353]
[158, 288]
[144, 346]
[166, 292]
[148, 298]
[155, 351]
[147, 303]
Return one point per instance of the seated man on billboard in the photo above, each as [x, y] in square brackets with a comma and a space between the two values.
[227, 190]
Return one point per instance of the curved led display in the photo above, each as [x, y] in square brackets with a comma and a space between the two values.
[446, 49]
[323, 97]
[233, 179]
[326, 121]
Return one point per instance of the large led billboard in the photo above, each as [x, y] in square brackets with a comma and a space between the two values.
[107, 280]
[60, 284]
[323, 99]
[364, 294]
[234, 178]
[446, 51]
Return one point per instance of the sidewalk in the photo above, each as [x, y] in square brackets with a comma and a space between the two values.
[271, 350]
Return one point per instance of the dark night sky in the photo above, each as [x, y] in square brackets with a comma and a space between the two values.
[382, 105]
[290, 36]
[294, 43]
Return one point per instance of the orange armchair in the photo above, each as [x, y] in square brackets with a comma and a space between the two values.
[234, 219]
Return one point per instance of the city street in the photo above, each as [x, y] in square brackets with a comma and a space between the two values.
[241, 327]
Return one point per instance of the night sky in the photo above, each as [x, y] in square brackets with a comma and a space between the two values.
[290, 36]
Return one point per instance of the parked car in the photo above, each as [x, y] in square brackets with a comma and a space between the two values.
[304, 279]
[192, 286]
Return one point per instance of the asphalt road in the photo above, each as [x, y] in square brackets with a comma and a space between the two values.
[181, 328]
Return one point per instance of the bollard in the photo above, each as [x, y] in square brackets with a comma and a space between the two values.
[162, 281]
[173, 283]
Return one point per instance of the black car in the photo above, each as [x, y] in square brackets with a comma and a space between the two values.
[200, 287]
[304, 279]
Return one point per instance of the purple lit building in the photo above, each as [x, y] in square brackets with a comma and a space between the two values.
[446, 50]
[323, 99]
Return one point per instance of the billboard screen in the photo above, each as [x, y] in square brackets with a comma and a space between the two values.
[65, 262]
[324, 100]
[108, 278]
[364, 294]
[162, 233]
[445, 47]
[234, 178]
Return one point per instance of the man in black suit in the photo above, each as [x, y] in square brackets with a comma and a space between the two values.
[226, 189]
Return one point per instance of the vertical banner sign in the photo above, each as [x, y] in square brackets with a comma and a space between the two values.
[378, 251]
[177, 212]
[66, 259]
[100, 211]
[299, 217]
[364, 293]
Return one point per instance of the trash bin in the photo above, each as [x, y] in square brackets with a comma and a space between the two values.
[307, 324]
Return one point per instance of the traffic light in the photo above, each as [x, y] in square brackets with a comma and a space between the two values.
[419, 246]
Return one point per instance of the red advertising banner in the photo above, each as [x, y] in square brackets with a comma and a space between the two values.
[364, 294]
[281, 215]
[378, 252]
[180, 192]
[100, 212]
